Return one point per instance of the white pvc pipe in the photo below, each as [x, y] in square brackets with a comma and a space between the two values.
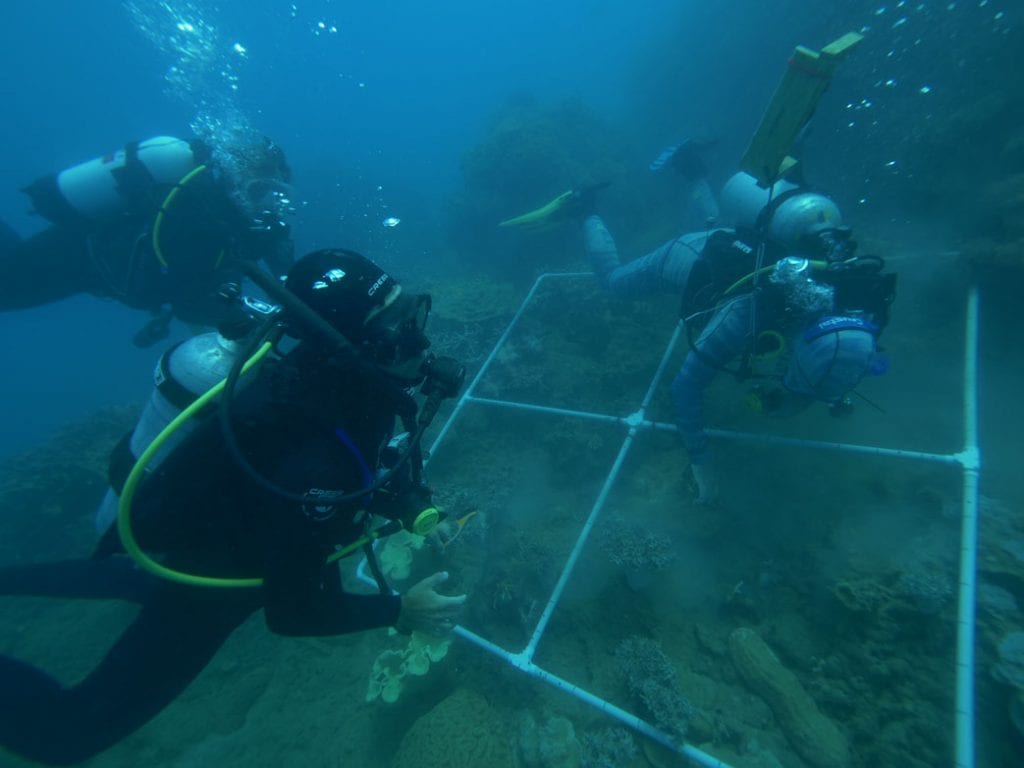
[968, 547]
[546, 409]
[524, 664]
[595, 510]
[797, 442]
[468, 394]
[666, 356]
[971, 373]
[969, 459]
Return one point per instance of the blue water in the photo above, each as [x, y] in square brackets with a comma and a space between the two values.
[376, 102]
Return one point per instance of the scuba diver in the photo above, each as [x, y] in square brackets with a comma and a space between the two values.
[782, 287]
[248, 503]
[154, 226]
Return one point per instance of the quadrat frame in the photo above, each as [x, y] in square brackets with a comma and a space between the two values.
[968, 460]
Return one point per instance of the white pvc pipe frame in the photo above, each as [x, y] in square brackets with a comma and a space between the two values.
[968, 459]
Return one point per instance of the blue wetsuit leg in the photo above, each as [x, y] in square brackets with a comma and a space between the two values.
[666, 268]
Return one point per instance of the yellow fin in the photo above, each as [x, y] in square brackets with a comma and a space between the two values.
[540, 218]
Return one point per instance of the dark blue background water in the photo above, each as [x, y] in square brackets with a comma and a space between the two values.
[375, 116]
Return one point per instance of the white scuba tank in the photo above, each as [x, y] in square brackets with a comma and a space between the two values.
[96, 188]
[743, 199]
[183, 373]
[795, 214]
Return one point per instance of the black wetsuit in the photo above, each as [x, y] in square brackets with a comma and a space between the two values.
[203, 229]
[303, 422]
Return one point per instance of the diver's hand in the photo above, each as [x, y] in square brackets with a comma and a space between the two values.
[425, 610]
[707, 483]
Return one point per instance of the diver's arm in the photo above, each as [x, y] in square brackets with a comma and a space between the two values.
[303, 595]
[722, 340]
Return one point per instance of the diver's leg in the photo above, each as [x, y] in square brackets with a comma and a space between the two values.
[47, 267]
[664, 268]
[112, 578]
[703, 207]
[174, 636]
[601, 250]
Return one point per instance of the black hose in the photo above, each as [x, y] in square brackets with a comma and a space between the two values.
[314, 321]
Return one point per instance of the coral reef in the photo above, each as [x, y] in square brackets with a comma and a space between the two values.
[1009, 669]
[576, 347]
[393, 668]
[996, 247]
[865, 595]
[611, 747]
[969, 166]
[816, 738]
[468, 299]
[652, 682]
[463, 731]
[928, 590]
[638, 551]
[531, 153]
[917, 590]
[469, 314]
[1001, 556]
[549, 744]
[49, 493]
[397, 554]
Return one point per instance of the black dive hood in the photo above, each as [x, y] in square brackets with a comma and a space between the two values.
[442, 379]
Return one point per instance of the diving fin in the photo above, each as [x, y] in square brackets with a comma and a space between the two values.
[574, 203]
[685, 158]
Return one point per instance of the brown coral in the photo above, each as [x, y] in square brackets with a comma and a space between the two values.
[463, 731]
[816, 738]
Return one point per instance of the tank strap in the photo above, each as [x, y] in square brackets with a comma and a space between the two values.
[173, 390]
[765, 216]
[135, 184]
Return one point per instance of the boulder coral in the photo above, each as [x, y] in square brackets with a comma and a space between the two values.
[462, 731]
[814, 736]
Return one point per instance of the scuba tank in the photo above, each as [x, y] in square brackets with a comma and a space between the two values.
[184, 372]
[110, 184]
[786, 213]
[743, 199]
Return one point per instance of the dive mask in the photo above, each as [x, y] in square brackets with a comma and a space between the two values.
[397, 333]
[832, 245]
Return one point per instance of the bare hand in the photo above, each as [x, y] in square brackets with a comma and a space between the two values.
[426, 610]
